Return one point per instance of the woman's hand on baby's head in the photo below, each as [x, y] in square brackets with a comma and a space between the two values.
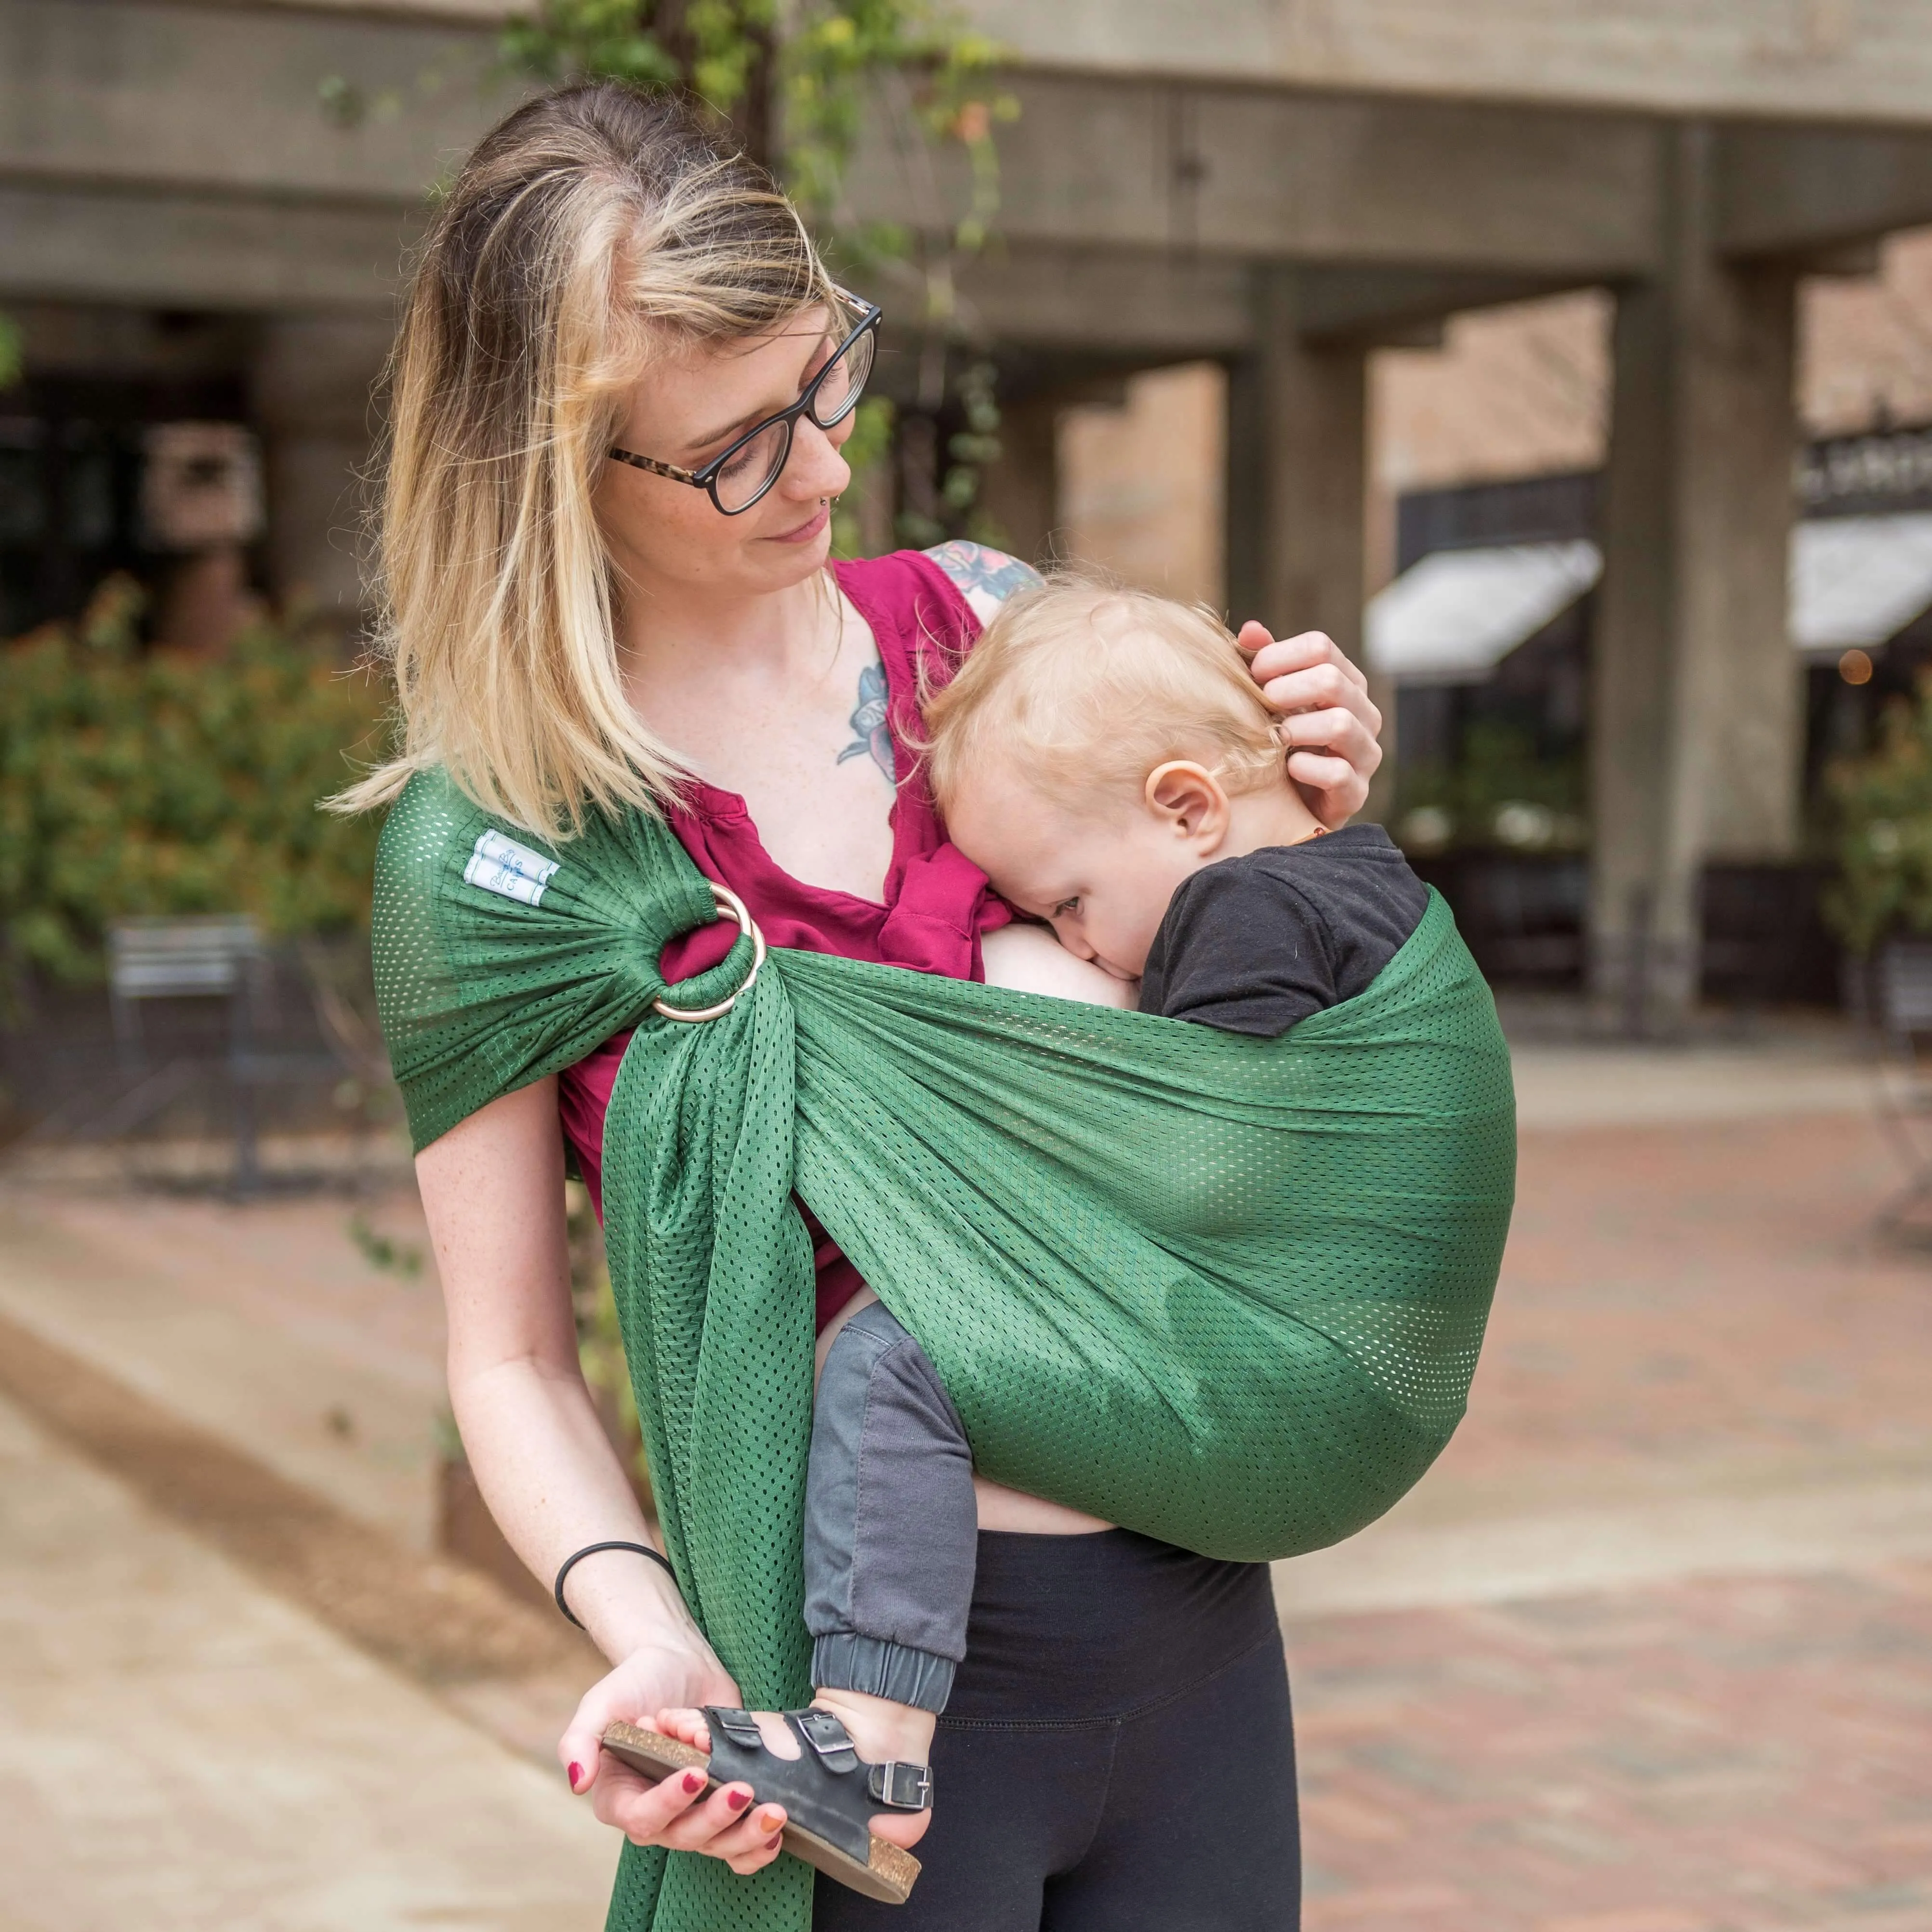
[1329, 724]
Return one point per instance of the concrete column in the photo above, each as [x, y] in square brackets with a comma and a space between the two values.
[1696, 722]
[312, 385]
[1245, 494]
[1020, 493]
[1297, 476]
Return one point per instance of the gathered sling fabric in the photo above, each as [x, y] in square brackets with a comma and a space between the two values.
[1226, 1292]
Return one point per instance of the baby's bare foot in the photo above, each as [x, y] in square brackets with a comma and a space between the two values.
[884, 1731]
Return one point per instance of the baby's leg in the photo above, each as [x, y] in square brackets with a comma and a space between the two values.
[891, 1537]
[891, 1541]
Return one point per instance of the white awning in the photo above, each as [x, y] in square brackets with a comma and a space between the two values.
[1454, 617]
[1859, 580]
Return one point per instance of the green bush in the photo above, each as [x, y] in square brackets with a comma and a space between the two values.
[135, 781]
[1881, 811]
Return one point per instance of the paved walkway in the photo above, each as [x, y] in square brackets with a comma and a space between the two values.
[266, 1324]
[181, 1751]
[1723, 1756]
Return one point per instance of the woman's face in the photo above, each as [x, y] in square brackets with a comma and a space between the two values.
[688, 408]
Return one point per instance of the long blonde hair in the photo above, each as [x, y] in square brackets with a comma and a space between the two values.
[594, 227]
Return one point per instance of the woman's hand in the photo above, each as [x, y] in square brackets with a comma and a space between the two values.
[1329, 724]
[653, 1688]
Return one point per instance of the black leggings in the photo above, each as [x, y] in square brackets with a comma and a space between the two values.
[1117, 1756]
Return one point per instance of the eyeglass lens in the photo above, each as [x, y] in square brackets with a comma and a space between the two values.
[754, 465]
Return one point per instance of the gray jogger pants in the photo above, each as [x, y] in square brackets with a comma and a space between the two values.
[891, 1528]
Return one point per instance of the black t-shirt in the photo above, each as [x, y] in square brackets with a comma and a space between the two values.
[1253, 944]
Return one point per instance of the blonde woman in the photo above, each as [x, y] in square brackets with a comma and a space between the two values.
[623, 384]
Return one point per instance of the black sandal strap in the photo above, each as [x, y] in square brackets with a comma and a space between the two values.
[740, 1727]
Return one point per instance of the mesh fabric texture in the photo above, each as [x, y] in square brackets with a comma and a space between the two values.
[1227, 1292]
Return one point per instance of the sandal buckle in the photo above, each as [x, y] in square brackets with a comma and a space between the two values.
[904, 1787]
[828, 1737]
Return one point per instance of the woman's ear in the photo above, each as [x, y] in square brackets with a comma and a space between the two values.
[1189, 797]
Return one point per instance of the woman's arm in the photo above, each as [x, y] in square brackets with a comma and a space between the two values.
[493, 1192]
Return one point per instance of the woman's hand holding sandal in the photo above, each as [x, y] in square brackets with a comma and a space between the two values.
[651, 1688]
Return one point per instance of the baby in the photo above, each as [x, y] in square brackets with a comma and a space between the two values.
[1105, 758]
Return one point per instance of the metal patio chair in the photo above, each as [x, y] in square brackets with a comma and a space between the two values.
[220, 958]
[215, 958]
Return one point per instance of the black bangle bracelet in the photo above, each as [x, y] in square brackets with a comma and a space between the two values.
[591, 1549]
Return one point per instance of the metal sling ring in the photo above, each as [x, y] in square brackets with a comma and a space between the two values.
[730, 905]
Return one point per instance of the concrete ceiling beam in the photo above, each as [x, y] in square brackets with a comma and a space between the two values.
[1788, 58]
[1129, 209]
[1400, 308]
[124, 248]
[1796, 190]
[1298, 177]
[206, 98]
[1143, 303]
[1123, 308]
[213, 97]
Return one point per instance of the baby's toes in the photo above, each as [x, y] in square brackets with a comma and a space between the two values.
[688, 1727]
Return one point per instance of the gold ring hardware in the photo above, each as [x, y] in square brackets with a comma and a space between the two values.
[729, 906]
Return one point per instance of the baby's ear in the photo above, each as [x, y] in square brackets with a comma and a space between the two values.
[1191, 798]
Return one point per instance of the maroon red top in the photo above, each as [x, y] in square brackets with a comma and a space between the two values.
[936, 903]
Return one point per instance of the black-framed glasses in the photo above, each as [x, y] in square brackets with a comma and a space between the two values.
[741, 476]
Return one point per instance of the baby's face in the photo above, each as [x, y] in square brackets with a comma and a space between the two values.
[1102, 876]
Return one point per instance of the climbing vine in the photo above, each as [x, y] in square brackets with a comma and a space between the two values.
[794, 84]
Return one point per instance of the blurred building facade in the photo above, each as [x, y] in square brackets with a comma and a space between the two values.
[204, 209]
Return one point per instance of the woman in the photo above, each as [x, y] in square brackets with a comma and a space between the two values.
[621, 391]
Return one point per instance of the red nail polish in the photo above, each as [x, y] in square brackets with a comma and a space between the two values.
[738, 1800]
[772, 1844]
[576, 1773]
[693, 1781]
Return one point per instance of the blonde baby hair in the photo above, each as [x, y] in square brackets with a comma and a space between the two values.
[1089, 686]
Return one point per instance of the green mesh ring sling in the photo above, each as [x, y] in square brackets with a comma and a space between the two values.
[1227, 1292]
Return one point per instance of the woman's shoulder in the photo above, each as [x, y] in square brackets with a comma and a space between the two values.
[901, 583]
[985, 577]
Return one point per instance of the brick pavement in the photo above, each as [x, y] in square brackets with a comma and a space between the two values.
[1719, 1756]
[1710, 1296]
[1686, 1312]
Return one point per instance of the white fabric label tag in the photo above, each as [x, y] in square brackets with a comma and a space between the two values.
[500, 864]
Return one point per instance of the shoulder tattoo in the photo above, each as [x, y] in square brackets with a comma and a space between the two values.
[985, 578]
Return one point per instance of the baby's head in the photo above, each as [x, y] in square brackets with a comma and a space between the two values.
[1097, 747]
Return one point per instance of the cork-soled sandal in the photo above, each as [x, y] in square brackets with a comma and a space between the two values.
[828, 1791]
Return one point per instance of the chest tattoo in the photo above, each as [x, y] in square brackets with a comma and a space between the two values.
[869, 735]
